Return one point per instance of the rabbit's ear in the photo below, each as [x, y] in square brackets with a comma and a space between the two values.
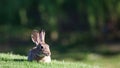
[42, 36]
[35, 37]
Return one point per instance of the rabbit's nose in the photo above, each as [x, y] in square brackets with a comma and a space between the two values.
[47, 54]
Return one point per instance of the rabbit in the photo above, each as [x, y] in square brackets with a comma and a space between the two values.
[41, 52]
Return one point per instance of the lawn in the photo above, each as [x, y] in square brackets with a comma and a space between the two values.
[9, 60]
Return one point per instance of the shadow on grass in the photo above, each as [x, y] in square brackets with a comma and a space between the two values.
[20, 60]
[2, 59]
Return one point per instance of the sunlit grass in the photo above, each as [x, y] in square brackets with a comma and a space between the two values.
[10, 60]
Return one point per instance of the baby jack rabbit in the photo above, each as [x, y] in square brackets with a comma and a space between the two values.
[41, 52]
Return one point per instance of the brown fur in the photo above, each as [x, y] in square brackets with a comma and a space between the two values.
[41, 52]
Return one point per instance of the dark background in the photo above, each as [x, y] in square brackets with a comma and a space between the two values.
[73, 28]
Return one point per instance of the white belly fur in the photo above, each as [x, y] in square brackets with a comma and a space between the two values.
[46, 59]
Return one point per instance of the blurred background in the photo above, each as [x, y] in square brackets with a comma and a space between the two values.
[74, 29]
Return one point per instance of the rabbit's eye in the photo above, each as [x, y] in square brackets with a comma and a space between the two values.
[41, 47]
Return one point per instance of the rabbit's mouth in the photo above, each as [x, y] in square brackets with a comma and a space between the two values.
[42, 55]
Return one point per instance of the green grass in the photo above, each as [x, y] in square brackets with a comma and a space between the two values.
[9, 60]
[104, 61]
